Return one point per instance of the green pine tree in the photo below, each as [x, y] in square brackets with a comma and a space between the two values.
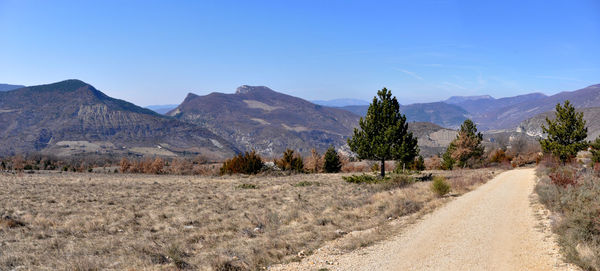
[332, 161]
[596, 150]
[566, 134]
[383, 133]
[447, 160]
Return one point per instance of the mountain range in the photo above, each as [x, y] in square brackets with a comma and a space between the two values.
[72, 117]
[490, 113]
[7, 87]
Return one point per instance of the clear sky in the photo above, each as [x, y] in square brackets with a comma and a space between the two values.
[155, 52]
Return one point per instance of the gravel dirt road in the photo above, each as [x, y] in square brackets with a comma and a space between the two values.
[495, 227]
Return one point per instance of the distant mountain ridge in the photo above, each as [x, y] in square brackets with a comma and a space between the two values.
[443, 114]
[508, 117]
[462, 99]
[163, 108]
[340, 102]
[71, 117]
[8, 87]
[257, 117]
[490, 113]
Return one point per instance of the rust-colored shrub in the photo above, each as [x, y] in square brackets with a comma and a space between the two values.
[180, 167]
[563, 176]
[18, 163]
[247, 163]
[156, 166]
[524, 159]
[499, 156]
[313, 163]
[433, 163]
[124, 165]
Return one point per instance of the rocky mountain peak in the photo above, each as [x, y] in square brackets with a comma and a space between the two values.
[245, 89]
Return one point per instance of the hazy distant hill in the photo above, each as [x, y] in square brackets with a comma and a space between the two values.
[7, 87]
[340, 102]
[162, 109]
[510, 116]
[71, 117]
[443, 114]
[485, 104]
[267, 121]
[466, 99]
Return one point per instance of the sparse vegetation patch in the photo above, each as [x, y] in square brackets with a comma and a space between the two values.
[440, 187]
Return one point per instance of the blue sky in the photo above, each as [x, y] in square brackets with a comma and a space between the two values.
[155, 52]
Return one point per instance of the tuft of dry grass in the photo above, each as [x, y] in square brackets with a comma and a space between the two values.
[74, 221]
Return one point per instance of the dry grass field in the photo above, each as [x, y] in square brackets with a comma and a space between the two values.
[78, 221]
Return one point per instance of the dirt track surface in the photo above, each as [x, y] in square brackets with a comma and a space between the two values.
[491, 228]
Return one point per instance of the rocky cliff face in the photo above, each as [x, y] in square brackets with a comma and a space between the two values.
[433, 139]
[42, 118]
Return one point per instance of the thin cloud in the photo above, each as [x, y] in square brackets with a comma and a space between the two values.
[412, 74]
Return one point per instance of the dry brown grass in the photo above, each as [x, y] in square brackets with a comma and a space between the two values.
[97, 221]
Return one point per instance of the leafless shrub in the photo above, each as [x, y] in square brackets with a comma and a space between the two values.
[313, 163]
[433, 163]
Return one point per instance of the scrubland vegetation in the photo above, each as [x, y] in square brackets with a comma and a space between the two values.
[570, 187]
[87, 221]
[572, 192]
[248, 212]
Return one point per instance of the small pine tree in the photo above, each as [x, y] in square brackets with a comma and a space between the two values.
[383, 133]
[466, 149]
[447, 160]
[418, 164]
[290, 161]
[566, 134]
[332, 161]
